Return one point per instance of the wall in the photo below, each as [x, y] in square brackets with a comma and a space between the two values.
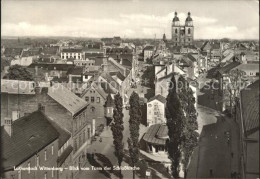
[153, 118]
[99, 112]
[38, 174]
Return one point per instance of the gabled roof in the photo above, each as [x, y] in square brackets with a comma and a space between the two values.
[109, 102]
[52, 66]
[149, 47]
[118, 75]
[191, 57]
[29, 53]
[66, 98]
[102, 88]
[30, 135]
[205, 44]
[159, 98]
[12, 52]
[227, 68]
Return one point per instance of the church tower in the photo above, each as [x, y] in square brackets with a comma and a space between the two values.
[176, 30]
[182, 35]
[189, 31]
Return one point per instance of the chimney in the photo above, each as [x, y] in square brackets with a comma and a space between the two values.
[15, 115]
[37, 90]
[8, 126]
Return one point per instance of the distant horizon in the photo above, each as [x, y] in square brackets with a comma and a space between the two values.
[130, 18]
[71, 37]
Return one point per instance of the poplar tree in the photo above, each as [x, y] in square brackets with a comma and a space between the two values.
[134, 125]
[190, 135]
[175, 123]
[117, 128]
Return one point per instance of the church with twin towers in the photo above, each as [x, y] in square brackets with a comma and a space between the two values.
[182, 35]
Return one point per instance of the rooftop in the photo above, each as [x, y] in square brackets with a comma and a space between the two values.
[66, 98]
[72, 50]
[250, 107]
[159, 98]
[30, 134]
[156, 134]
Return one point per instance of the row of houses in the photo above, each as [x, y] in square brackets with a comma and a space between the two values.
[23, 104]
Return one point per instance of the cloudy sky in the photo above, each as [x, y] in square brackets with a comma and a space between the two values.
[129, 18]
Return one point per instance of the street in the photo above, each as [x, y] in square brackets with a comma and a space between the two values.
[215, 156]
[106, 148]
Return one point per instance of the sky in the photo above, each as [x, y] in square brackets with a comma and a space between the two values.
[212, 19]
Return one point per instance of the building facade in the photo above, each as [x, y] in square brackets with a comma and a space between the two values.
[156, 110]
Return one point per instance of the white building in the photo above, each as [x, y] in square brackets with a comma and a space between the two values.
[156, 110]
[148, 52]
[72, 53]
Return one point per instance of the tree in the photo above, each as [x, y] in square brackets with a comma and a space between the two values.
[4, 63]
[117, 128]
[233, 87]
[190, 139]
[18, 72]
[149, 76]
[134, 123]
[175, 123]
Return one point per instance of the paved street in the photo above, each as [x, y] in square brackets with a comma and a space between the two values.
[213, 156]
[106, 148]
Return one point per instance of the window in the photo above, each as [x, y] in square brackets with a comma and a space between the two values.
[92, 99]
[19, 174]
[88, 133]
[45, 175]
[92, 109]
[84, 136]
[98, 99]
[37, 161]
[75, 144]
[176, 31]
[176, 39]
[188, 31]
[29, 166]
[45, 154]
[52, 149]
[80, 141]
[52, 173]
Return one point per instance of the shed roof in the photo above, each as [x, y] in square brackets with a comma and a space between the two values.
[157, 134]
